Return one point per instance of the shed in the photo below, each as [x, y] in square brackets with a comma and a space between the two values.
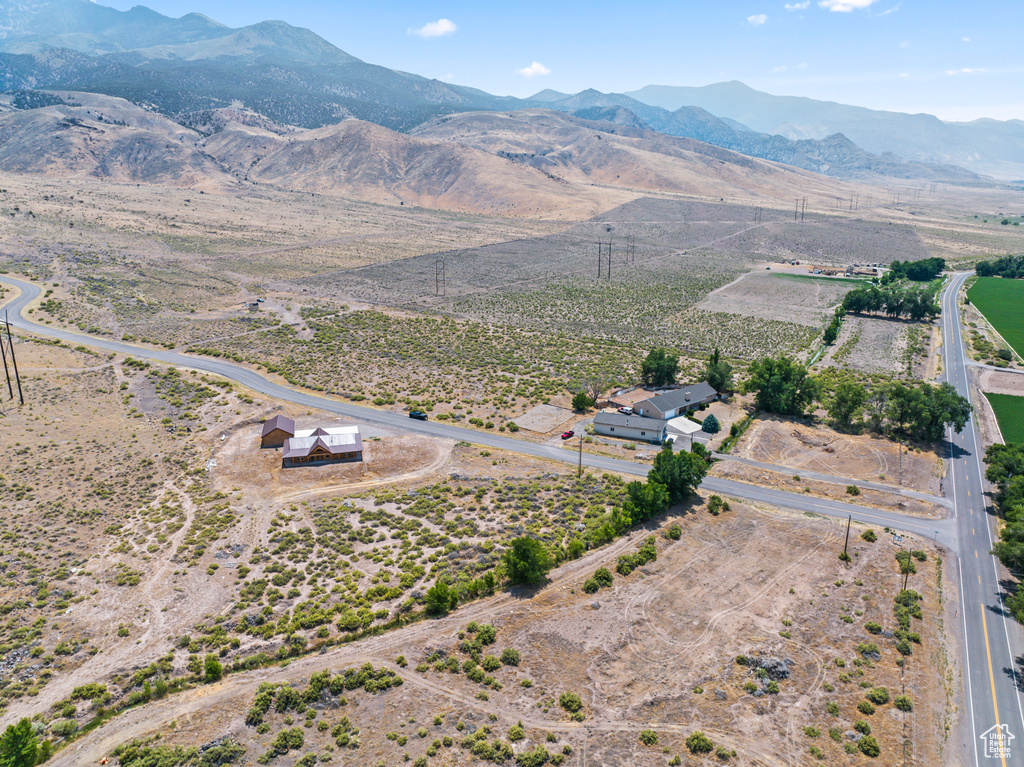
[276, 430]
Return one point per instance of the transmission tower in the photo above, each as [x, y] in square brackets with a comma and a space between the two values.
[439, 278]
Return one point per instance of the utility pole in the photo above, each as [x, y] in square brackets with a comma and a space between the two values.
[601, 255]
[900, 448]
[849, 519]
[3, 351]
[796, 210]
[14, 360]
[579, 472]
[803, 208]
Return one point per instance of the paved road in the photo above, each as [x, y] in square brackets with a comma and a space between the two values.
[941, 530]
[993, 640]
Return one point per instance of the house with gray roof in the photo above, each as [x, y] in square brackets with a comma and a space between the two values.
[331, 444]
[630, 427]
[677, 402]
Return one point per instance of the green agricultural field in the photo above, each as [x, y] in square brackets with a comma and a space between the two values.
[1002, 303]
[1010, 412]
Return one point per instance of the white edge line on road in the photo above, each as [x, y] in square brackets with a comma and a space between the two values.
[967, 663]
[981, 479]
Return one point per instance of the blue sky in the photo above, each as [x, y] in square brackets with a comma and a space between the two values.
[957, 60]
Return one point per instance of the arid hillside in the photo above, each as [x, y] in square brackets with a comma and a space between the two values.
[106, 138]
[589, 152]
[365, 161]
[535, 163]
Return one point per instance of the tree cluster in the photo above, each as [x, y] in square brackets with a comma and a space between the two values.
[659, 368]
[832, 331]
[781, 385]
[917, 411]
[1006, 471]
[718, 373]
[1011, 267]
[893, 302]
[925, 270]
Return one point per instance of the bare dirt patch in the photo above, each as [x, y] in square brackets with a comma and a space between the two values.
[642, 654]
[824, 450]
[782, 297]
[870, 345]
[999, 382]
[543, 418]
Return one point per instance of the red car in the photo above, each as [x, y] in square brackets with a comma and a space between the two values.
[568, 434]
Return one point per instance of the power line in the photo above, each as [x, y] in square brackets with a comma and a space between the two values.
[14, 361]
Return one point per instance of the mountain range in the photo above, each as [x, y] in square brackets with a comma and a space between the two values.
[189, 68]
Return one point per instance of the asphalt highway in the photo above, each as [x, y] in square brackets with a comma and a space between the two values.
[993, 639]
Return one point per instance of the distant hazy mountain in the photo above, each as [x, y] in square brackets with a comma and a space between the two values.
[27, 26]
[188, 68]
[179, 66]
[835, 155]
[985, 146]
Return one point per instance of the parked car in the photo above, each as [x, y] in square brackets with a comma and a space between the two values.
[568, 434]
[418, 415]
[627, 410]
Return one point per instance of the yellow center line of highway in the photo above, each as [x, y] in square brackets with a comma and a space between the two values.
[991, 676]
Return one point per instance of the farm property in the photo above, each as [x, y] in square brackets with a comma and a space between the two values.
[1010, 413]
[1002, 303]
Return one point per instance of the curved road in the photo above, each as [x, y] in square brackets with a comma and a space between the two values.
[992, 639]
[941, 530]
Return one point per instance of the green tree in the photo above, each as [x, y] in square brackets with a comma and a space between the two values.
[711, 425]
[213, 670]
[659, 368]
[440, 598]
[718, 373]
[781, 386]
[18, 745]
[680, 473]
[581, 401]
[845, 404]
[645, 499]
[526, 561]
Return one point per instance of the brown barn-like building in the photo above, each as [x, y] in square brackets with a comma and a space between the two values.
[276, 430]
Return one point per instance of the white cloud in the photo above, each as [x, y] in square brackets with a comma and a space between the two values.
[890, 10]
[966, 39]
[966, 71]
[845, 6]
[535, 69]
[777, 70]
[437, 28]
[798, 6]
[905, 44]
[757, 20]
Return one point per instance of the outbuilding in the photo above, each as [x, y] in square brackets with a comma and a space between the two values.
[276, 430]
[630, 427]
